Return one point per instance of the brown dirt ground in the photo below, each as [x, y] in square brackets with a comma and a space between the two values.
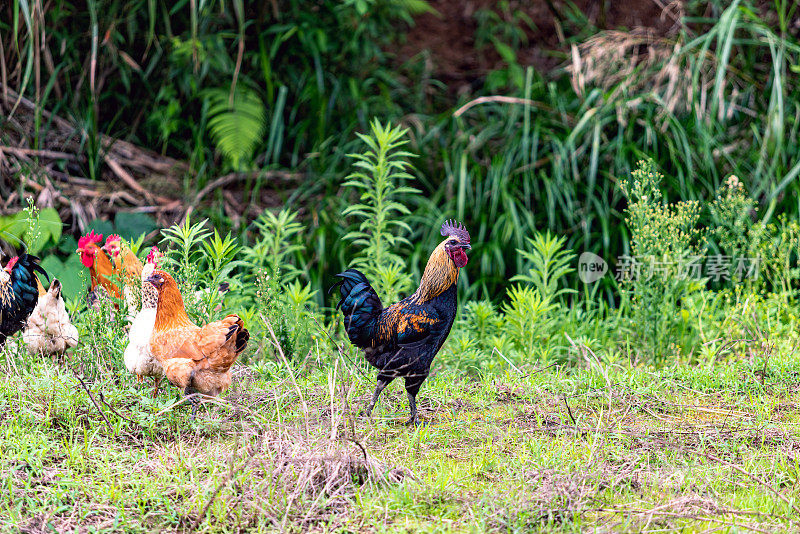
[449, 34]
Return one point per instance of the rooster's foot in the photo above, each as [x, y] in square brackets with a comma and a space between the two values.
[413, 421]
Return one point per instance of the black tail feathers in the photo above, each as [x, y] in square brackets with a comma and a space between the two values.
[360, 305]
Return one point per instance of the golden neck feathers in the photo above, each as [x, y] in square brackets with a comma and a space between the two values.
[440, 274]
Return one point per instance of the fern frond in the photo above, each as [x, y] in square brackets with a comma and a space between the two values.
[236, 126]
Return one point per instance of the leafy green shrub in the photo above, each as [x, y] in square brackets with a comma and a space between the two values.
[200, 260]
[275, 245]
[767, 254]
[526, 318]
[548, 264]
[183, 253]
[470, 348]
[522, 332]
[103, 337]
[381, 171]
[778, 251]
[732, 219]
[666, 251]
[280, 299]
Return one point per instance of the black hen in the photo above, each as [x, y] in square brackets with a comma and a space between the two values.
[18, 293]
[402, 339]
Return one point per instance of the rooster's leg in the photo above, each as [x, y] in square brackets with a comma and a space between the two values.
[383, 381]
[413, 384]
[412, 402]
[155, 386]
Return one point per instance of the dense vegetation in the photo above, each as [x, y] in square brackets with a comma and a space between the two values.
[668, 164]
[229, 86]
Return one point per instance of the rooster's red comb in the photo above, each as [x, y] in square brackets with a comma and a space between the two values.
[11, 263]
[455, 229]
[91, 237]
[154, 256]
[112, 238]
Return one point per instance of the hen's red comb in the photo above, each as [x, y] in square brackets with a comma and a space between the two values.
[113, 237]
[91, 237]
[455, 229]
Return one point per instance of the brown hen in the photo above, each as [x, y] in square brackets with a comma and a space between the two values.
[195, 359]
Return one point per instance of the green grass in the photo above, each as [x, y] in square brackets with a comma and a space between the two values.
[683, 447]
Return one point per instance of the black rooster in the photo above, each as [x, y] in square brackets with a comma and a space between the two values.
[402, 339]
[19, 293]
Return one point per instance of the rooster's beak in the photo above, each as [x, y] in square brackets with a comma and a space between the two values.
[466, 247]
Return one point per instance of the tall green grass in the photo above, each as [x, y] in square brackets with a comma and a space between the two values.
[717, 99]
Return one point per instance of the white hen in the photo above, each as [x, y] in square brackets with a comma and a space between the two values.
[138, 357]
[49, 331]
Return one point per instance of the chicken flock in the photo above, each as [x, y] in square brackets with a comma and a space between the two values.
[399, 340]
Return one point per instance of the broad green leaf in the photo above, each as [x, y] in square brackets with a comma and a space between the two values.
[131, 226]
[68, 272]
[100, 227]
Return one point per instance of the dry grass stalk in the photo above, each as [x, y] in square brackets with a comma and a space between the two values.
[633, 62]
[639, 62]
[294, 479]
